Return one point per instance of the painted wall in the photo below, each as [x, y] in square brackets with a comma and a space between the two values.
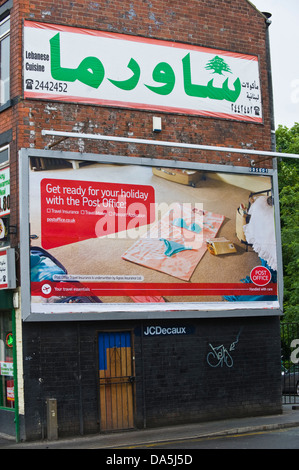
[179, 376]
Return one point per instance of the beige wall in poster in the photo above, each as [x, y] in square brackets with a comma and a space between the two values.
[251, 183]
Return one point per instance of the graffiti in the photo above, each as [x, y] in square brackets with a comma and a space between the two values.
[295, 353]
[220, 355]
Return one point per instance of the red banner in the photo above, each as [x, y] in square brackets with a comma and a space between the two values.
[78, 210]
[48, 289]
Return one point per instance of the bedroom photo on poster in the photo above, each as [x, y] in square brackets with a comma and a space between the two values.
[123, 236]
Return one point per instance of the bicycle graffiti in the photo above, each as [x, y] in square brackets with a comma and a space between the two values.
[220, 355]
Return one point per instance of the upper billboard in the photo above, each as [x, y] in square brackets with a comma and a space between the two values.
[102, 68]
[133, 238]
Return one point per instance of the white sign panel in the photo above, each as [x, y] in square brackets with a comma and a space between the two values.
[6, 368]
[4, 193]
[7, 269]
[95, 67]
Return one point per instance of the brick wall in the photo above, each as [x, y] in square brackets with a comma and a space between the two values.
[181, 385]
[53, 367]
[234, 26]
[174, 381]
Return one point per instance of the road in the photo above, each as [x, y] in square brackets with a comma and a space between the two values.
[278, 439]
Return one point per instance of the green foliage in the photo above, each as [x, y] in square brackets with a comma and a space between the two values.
[287, 141]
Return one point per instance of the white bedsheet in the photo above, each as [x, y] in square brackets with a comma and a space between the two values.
[260, 231]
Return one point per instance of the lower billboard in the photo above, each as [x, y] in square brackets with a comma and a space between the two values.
[127, 237]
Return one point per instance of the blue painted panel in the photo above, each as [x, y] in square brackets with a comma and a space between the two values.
[111, 340]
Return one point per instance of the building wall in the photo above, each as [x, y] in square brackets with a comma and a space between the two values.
[175, 382]
[234, 26]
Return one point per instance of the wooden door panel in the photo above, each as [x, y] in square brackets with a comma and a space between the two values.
[116, 381]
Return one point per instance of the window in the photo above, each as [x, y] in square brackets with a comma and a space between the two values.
[4, 60]
[4, 155]
[6, 361]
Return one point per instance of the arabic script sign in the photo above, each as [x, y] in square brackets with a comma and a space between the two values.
[94, 67]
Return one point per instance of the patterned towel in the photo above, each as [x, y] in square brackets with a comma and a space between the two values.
[149, 251]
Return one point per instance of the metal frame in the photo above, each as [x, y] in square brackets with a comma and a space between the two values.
[79, 135]
[137, 311]
[117, 381]
[290, 365]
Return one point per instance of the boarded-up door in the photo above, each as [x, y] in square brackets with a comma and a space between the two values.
[116, 380]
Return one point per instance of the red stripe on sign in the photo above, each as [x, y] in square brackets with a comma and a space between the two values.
[48, 289]
[138, 39]
[141, 106]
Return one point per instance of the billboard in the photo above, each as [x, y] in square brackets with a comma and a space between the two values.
[137, 237]
[78, 65]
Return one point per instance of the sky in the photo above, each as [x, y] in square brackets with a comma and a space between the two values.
[284, 43]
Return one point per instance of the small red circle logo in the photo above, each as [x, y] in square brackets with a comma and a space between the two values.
[260, 276]
[46, 289]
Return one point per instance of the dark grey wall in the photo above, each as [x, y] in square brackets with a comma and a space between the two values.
[177, 376]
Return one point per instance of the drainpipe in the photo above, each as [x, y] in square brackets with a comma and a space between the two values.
[270, 85]
[15, 375]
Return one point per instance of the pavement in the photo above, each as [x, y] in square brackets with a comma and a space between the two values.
[149, 438]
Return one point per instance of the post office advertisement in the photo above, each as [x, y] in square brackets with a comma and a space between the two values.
[134, 237]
